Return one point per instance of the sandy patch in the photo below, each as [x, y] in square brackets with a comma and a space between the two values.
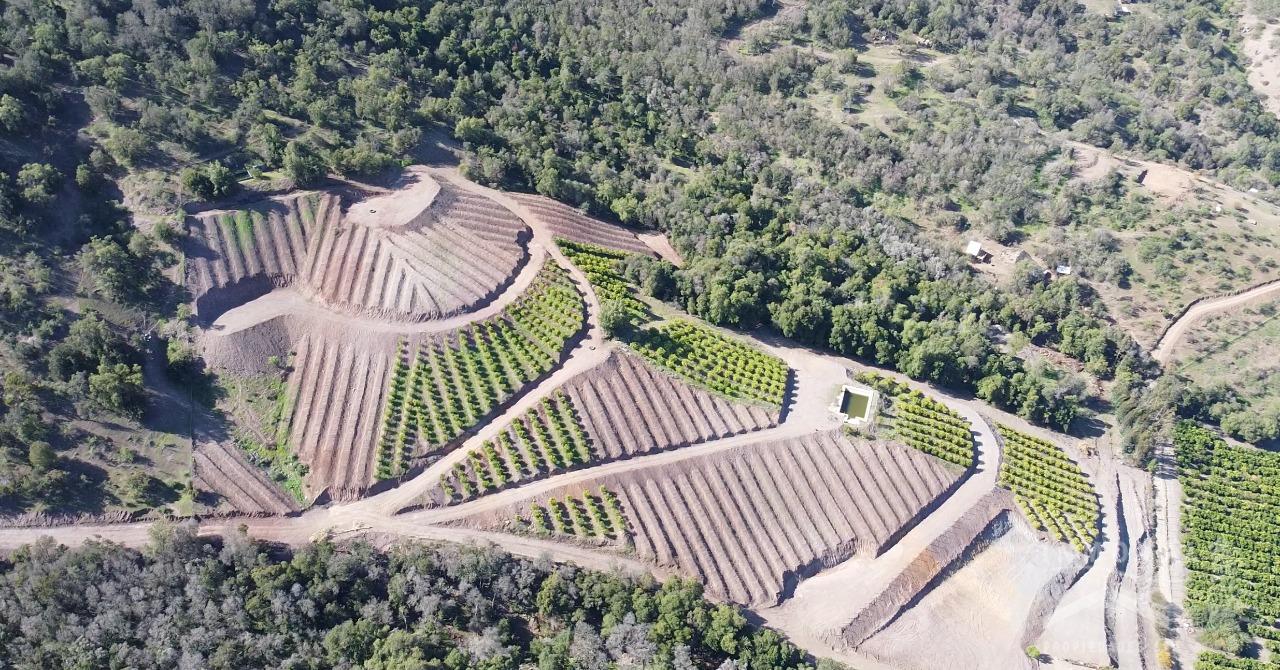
[413, 194]
[661, 246]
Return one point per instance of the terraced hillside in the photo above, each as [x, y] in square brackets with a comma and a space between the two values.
[546, 439]
[235, 256]
[336, 391]
[444, 386]
[718, 363]
[749, 523]
[570, 223]
[924, 423]
[361, 411]
[621, 408]
[458, 254]
[242, 487]
[629, 408]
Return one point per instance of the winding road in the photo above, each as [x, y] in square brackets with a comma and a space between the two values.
[1174, 334]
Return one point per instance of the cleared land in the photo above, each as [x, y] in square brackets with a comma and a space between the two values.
[456, 255]
[570, 223]
[751, 522]
[235, 256]
[629, 408]
[1105, 620]
[982, 615]
[240, 485]
[336, 390]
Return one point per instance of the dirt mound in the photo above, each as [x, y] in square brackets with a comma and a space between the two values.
[987, 519]
[750, 523]
[248, 351]
[570, 223]
[225, 471]
[455, 256]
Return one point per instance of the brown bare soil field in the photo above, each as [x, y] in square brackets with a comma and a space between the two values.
[236, 256]
[335, 393]
[751, 522]
[241, 487]
[629, 408]
[570, 223]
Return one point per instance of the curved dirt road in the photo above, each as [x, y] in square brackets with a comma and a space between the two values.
[1172, 336]
[290, 302]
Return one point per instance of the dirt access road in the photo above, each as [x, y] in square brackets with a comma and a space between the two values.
[1173, 335]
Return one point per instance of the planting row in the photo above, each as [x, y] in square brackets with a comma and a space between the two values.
[603, 268]
[714, 361]
[547, 439]
[446, 387]
[1050, 489]
[587, 516]
[925, 423]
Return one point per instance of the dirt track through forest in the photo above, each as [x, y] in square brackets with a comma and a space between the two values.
[1173, 336]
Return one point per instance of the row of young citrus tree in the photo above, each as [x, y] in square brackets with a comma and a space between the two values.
[546, 439]
[713, 361]
[445, 388]
[1049, 488]
[925, 423]
[588, 515]
[696, 353]
[603, 267]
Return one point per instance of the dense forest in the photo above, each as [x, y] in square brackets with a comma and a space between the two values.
[188, 603]
[116, 113]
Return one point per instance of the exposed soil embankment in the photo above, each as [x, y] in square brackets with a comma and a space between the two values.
[974, 531]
